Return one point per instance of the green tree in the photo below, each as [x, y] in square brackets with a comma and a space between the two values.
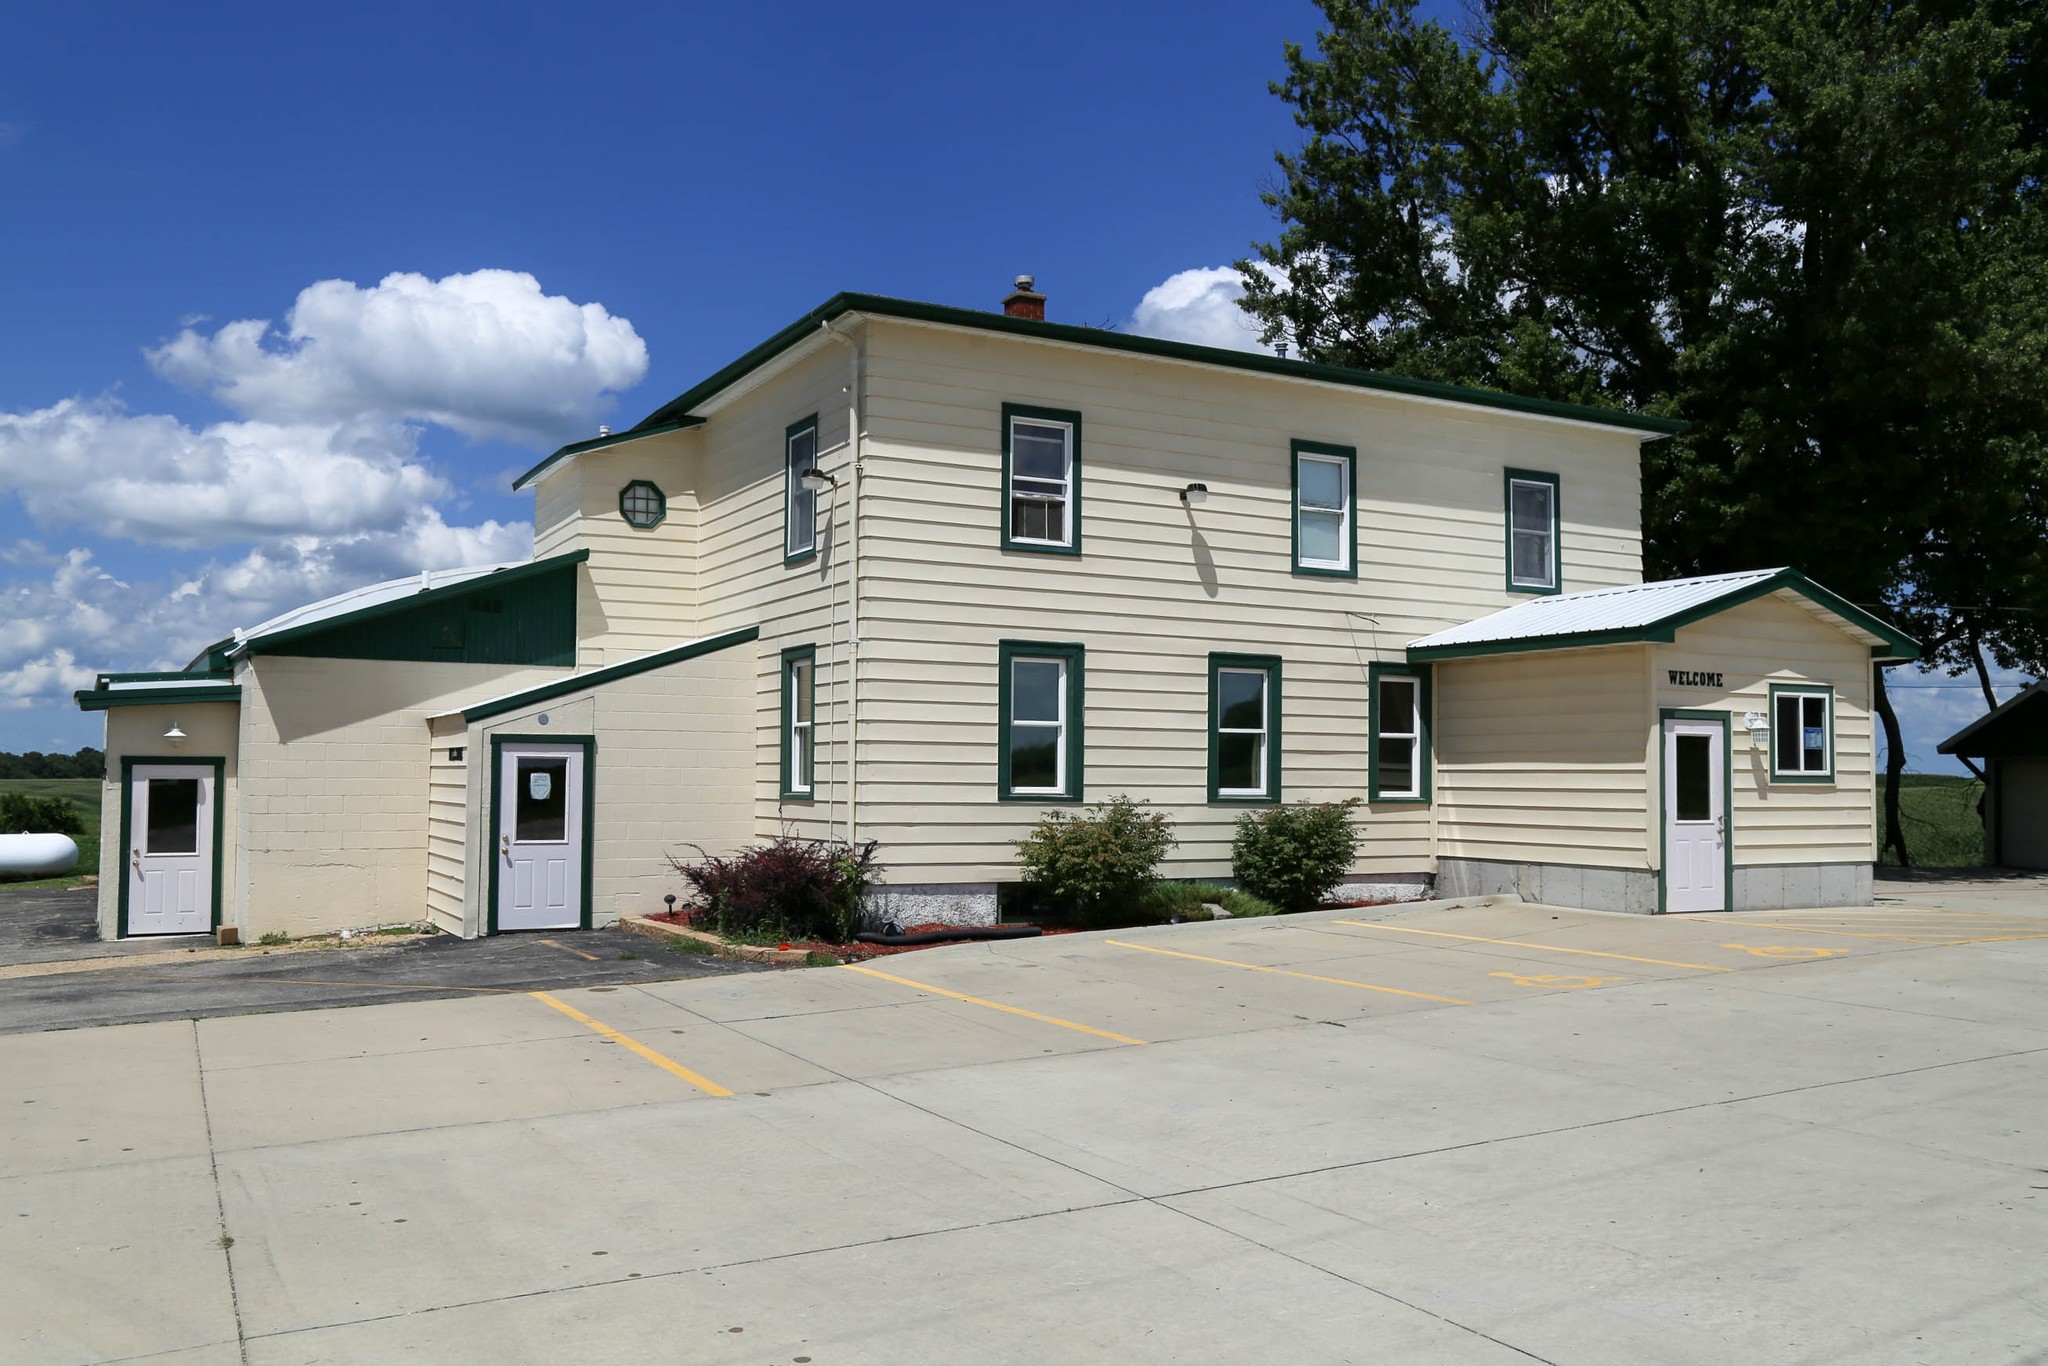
[1810, 229]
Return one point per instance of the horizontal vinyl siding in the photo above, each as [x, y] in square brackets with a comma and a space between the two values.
[1159, 586]
[743, 580]
[1541, 758]
[447, 828]
[1768, 641]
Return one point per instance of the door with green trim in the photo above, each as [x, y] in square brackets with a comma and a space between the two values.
[170, 849]
[540, 837]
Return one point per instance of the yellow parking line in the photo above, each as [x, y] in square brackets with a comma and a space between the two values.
[1523, 944]
[704, 1084]
[1945, 940]
[994, 1005]
[1287, 972]
[566, 949]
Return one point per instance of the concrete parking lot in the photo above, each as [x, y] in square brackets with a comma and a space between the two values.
[1486, 1134]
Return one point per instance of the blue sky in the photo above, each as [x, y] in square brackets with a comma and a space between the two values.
[626, 197]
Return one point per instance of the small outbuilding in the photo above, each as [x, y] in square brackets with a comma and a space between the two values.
[2012, 743]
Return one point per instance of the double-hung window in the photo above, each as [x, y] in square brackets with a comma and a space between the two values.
[1039, 744]
[1244, 728]
[799, 504]
[799, 723]
[1325, 526]
[1399, 733]
[1041, 479]
[1802, 733]
[1532, 518]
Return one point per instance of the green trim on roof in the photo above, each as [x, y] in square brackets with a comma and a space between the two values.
[100, 699]
[611, 673]
[252, 645]
[1899, 647]
[677, 411]
[597, 443]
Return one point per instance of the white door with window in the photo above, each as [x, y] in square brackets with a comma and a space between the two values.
[170, 848]
[540, 837]
[1695, 816]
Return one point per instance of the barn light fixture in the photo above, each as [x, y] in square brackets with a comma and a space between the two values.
[174, 735]
[1195, 493]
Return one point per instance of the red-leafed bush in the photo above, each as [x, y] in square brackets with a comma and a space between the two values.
[789, 888]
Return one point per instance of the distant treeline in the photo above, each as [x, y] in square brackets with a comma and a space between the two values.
[87, 763]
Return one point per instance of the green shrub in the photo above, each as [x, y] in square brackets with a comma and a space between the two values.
[1092, 864]
[1170, 901]
[21, 814]
[787, 888]
[1293, 855]
[1243, 905]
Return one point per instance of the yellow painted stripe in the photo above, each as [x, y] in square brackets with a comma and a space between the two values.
[1289, 972]
[1945, 940]
[323, 982]
[704, 1084]
[1547, 948]
[566, 949]
[993, 1005]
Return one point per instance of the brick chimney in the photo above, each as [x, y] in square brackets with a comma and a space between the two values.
[1025, 302]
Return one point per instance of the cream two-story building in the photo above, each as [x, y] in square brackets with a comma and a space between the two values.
[916, 574]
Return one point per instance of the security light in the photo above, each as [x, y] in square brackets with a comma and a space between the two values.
[815, 480]
[1195, 493]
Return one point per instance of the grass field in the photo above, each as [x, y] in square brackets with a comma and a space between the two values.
[1940, 816]
[84, 796]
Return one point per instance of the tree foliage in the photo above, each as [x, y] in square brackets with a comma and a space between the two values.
[86, 763]
[1812, 230]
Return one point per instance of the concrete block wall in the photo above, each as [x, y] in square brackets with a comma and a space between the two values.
[334, 780]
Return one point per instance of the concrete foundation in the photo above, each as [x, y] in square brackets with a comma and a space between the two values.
[1633, 890]
[1790, 886]
[943, 903]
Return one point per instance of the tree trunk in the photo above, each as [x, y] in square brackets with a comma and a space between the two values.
[1983, 673]
[1894, 765]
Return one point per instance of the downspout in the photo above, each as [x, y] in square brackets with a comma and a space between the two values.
[855, 447]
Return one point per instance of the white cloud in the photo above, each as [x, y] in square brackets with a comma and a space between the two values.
[1199, 306]
[487, 354]
[78, 611]
[151, 478]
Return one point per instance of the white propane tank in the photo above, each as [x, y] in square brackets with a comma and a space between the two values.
[37, 855]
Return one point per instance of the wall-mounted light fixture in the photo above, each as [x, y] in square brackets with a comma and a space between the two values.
[816, 480]
[1759, 727]
[1195, 493]
[174, 735]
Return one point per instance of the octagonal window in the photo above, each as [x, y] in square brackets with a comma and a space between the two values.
[642, 505]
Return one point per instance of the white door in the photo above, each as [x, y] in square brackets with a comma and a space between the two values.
[170, 849]
[1695, 816]
[540, 837]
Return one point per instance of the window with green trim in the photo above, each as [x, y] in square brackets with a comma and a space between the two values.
[799, 723]
[1040, 723]
[799, 504]
[1802, 733]
[1399, 761]
[1532, 520]
[1244, 728]
[1325, 525]
[643, 505]
[1041, 479]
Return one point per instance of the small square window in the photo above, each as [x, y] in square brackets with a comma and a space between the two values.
[642, 505]
[1802, 734]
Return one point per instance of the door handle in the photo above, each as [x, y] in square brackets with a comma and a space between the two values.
[1721, 828]
[135, 858]
[505, 847]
